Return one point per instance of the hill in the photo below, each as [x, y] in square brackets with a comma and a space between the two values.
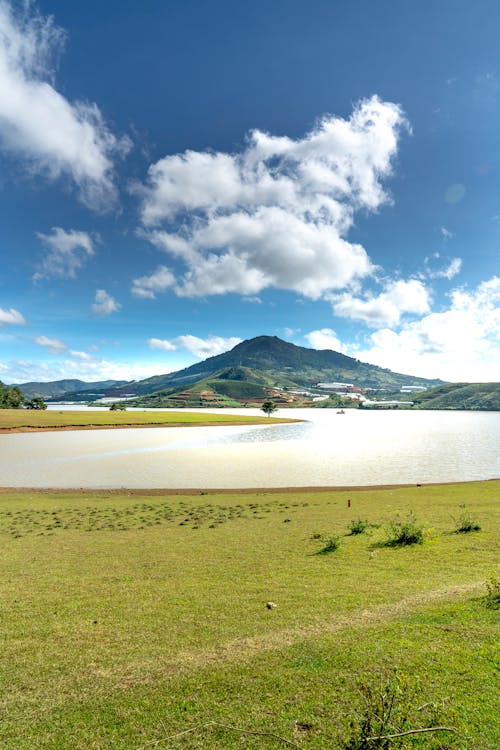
[473, 396]
[66, 388]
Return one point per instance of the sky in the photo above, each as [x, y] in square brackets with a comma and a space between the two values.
[177, 176]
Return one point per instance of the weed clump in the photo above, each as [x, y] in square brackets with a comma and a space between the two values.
[358, 527]
[492, 598]
[387, 716]
[404, 532]
[331, 544]
[466, 524]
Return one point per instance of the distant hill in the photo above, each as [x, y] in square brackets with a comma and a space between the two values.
[60, 388]
[473, 396]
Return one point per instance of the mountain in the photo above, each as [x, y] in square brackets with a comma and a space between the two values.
[258, 369]
[64, 388]
[284, 365]
[251, 370]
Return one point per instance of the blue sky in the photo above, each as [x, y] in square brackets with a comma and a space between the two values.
[178, 176]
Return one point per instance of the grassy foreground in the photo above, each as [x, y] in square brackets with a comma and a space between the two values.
[129, 618]
[21, 419]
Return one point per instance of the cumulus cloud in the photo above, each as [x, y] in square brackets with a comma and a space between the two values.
[53, 346]
[53, 135]
[11, 316]
[398, 298]
[66, 252]
[460, 343]
[147, 287]
[277, 213]
[104, 303]
[325, 338]
[200, 348]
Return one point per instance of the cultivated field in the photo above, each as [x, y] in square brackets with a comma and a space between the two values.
[16, 420]
[132, 620]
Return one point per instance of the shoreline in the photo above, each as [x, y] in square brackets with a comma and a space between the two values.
[74, 428]
[159, 492]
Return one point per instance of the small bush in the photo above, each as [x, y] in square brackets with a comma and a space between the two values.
[492, 598]
[387, 710]
[358, 527]
[466, 524]
[402, 533]
[331, 544]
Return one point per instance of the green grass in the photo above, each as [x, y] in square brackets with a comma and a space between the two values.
[19, 418]
[130, 617]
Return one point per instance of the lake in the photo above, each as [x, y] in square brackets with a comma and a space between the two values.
[329, 449]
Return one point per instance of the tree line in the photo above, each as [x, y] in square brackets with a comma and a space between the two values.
[11, 397]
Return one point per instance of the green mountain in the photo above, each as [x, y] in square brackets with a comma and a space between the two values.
[282, 365]
[473, 396]
[262, 368]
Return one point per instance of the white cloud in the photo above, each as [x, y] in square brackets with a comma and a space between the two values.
[11, 316]
[53, 346]
[446, 234]
[200, 348]
[325, 338]
[66, 253]
[20, 371]
[54, 136]
[163, 344]
[83, 356]
[253, 300]
[449, 272]
[399, 297]
[460, 343]
[276, 214]
[147, 287]
[104, 303]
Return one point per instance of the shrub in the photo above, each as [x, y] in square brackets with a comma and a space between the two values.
[358, 527]
[331, 544]
[492, 598]
[466, 524]
[402, 533]
[387, 714]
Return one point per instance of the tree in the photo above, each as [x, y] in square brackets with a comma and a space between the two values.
[36, 403]
[268, 407]
[11, 397]
[117, 407]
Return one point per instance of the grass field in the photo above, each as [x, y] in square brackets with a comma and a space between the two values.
[129, 618]
[22, 419]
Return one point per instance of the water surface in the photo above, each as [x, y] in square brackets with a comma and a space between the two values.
[357, 448]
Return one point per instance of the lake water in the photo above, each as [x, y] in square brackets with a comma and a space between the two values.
[357, 448]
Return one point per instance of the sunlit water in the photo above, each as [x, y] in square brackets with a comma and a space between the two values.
[357, 448]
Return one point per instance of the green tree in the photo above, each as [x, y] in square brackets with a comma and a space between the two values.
[36, 403]
[268, 407]
[117, 407]
[11, 397]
